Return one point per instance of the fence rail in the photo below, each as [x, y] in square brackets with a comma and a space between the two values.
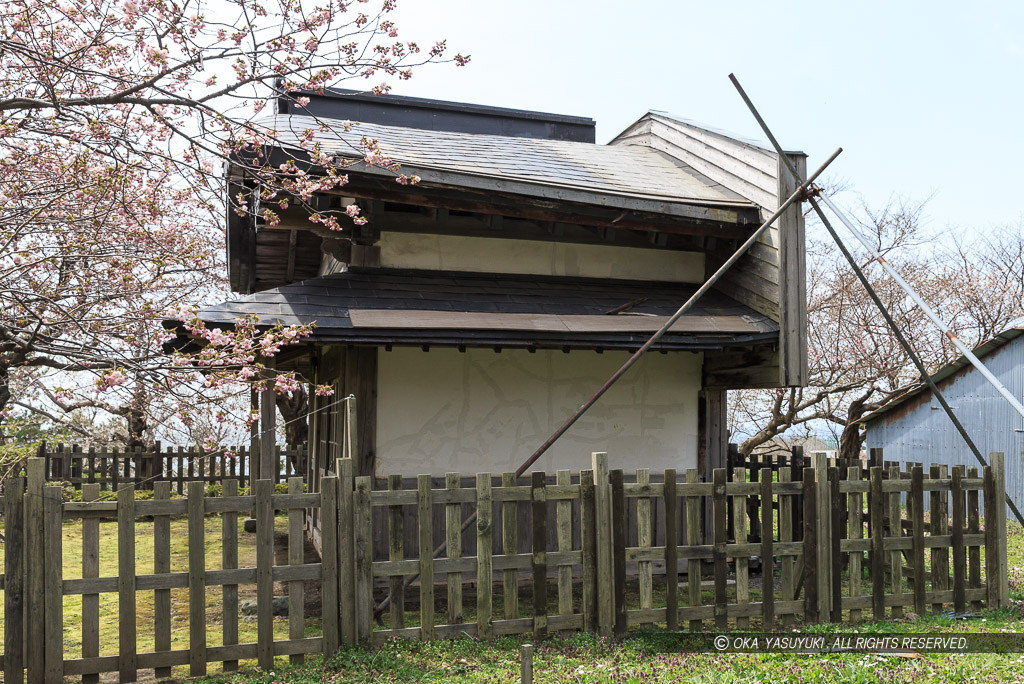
[863, 548]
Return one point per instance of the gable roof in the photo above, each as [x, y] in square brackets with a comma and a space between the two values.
[948, 373]
[628, 176]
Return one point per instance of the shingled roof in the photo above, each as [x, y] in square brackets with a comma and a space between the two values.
[394, 306]
[525, 165]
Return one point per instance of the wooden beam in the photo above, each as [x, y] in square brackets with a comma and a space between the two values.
[792, 284]
[290, 271]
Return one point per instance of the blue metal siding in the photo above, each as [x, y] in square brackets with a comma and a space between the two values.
[925, 433]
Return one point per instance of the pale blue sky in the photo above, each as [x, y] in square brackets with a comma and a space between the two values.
[925, 97]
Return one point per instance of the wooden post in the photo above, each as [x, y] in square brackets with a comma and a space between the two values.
[161, 565]
[484, 571]
[671, 552]
[296, 556]
[264, 511]
[453, 537]
[767, 552]
[810, 542]
[563, 514]
[995, 531]
[14, 580]
[973, 551]
[824, 516]
[53, 580]
[363, 523]
[539, 504]
[425, 508]
[509, 547]
[526, 664]
[396, 552]
[787, 562]
[877, 539]
[959, 557]
[229, 560]
[588, 541]
[856, 532]
[603, 530]
[618, 551]
[693, 565]
[896, 531]
[35, 567]
[739, 507]
[331, 610]
[917, 549]
[127, 661]
[346, 552]
[196, 580]
[997, 460]
[718, 550]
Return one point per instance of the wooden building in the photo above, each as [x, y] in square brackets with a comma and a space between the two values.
[478, 308]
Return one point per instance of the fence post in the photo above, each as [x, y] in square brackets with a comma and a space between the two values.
[810, 541]
[35, 567]
[603, 530]
[824, 516]
[995, 531]
[14, 580]
[53, 582]
[362, 513]
[329, 549]
[346, 553]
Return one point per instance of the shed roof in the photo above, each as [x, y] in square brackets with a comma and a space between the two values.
[610, 175]
[949, 372]
[385, 306]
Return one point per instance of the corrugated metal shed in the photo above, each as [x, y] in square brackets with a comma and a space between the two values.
[913, 427]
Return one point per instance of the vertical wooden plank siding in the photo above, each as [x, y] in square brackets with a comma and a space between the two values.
[35, 566]
[229, 561]
[588, 541]
[264, 574]
[959, 556]
[787, 562]
[877, 536]
[693, 569]
[739, 526]
[296, 588]
[563, 514]
[127, 644]
[363, 523]
[54, 616]
[603, 530]
[856, 531]
[973, 551]
[346, 551]
[453, 539]
[396, 552]
[329, 560]
[618, 551]
[484, 525]
[671, 552]
[810, 544]
[14, 576]
[539, 501]
[917, 548]
[196, 580]
[767, 552]
[425, 507]
[161, 565]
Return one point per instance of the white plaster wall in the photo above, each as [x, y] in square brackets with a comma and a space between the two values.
[499, 255]
[479, 411]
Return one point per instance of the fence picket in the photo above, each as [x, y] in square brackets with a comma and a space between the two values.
[739, 526]
[856, 532]
[563, 514]
[396, 552]
[53, 582]
[959, 557]
[767, 552]
[296, 556]
[196, 581]
[362, 513]
[14, 580]
[329, 559]
[539, 499]
[618, 551]
[264, 514]
[35, 565]
[917, 549]
[346, 551]
[810, 546]
[693, 565]
[229, 561]
[484, 513]
[973, 551]
[453, 538]
[786, 562]
[161, 565]
[509, 547]
[645, 575]
[425, 520]
[588, 542]
[127, 659]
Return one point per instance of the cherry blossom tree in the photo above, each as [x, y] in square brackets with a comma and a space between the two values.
[116, 119]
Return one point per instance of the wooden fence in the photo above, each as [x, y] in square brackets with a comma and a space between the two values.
[112, 468]
[587, 576]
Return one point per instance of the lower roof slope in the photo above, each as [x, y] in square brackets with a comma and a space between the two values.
[393, 306]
